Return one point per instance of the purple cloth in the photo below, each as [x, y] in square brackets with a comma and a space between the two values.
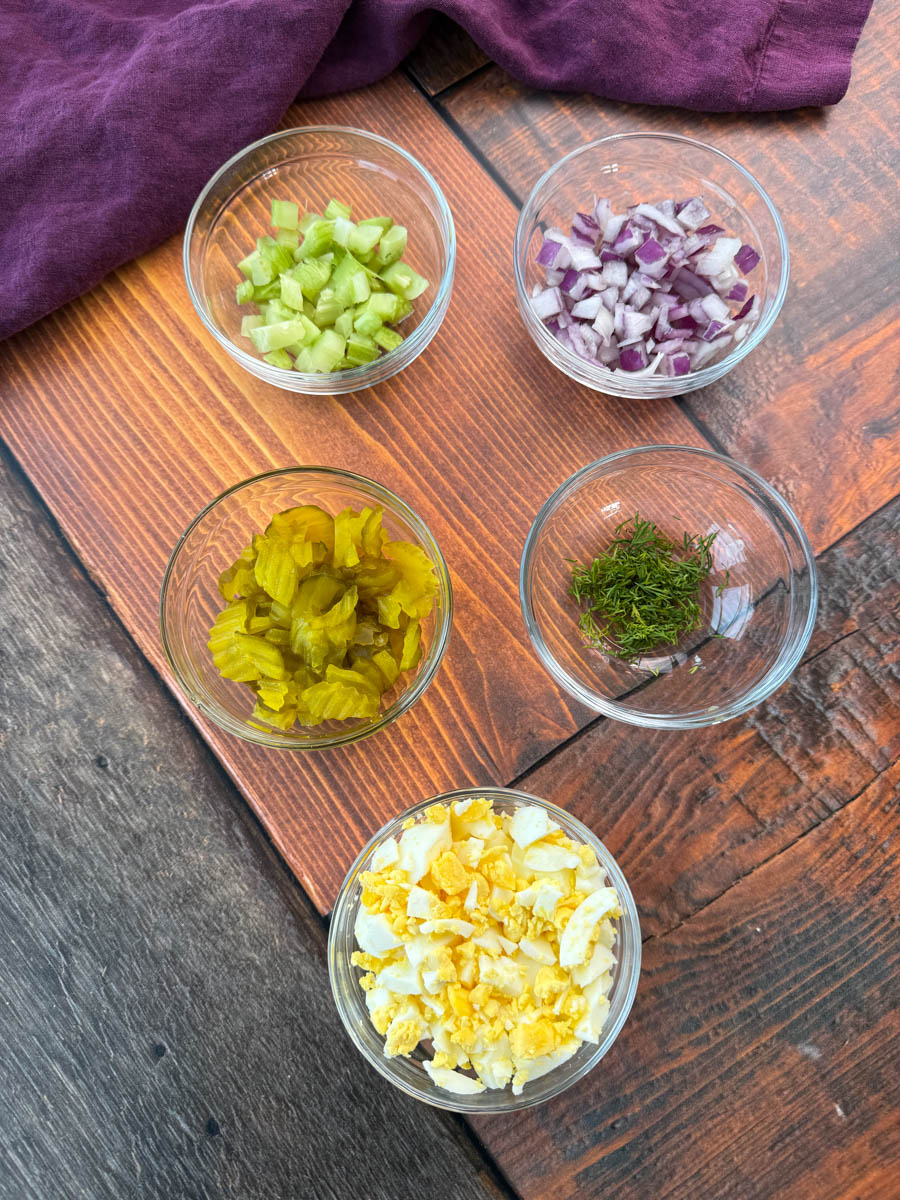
[114, 113]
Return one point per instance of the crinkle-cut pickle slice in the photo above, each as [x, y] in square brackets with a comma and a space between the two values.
[323, 615]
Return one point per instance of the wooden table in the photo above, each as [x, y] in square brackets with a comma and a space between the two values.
[165, 1011]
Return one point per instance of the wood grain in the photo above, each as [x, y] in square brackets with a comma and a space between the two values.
[126, 446]
[165, 1014]
[761, 1058]
[815, 408]
[445, 55]
[687, 815]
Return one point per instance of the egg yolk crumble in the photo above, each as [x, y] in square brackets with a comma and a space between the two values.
[490, 935]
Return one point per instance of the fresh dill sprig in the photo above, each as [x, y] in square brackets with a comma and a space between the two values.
[642, 593]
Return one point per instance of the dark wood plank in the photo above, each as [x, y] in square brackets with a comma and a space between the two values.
[445, 55]
[126, 448]
[814, 409]
[761, 1058]
[165, 1014]
[688, 815]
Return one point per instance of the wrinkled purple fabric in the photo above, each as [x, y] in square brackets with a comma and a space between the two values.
[114, 113]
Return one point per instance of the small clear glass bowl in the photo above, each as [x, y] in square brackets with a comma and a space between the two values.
[634, 168]
[758, 604]
[312, 165]
[408, 1073]
[190, 599]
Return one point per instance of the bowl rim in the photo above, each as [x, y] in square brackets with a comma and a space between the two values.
[404, 701]
[777, 674]
[356, 377]
[600, 374]
[503, 1100]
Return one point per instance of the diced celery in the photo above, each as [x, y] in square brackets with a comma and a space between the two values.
[303, 361]
[363, 238]
[359, 287]
[403, 280]
[316, 240]
[249, 323]
[279, 358]
[403, 311]
[342, 230]
[361, 349]
[385, 304]
[308, 219]
[335, 209]
[388, 339]
[328, 308]
[326, 351]
[309, 310]
[276, 311]
[285, 214]
[267, 338]
[349, 281]
[291, 292]
[311, 275]
[392, 247]
[344, 324]
[382, 223]
[245, 266]
[269, 291]
[288, 237]
[310, 335]
[368, 322]
[244, 292]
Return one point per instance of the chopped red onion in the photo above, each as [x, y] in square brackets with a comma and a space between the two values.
[652, 279]
[746, 259]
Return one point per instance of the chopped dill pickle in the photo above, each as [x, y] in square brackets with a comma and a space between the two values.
[323, 616]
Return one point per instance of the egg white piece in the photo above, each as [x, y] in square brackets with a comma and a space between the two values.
[573, 945]
[599, 963]
[419, 903]
[540, 857]
[400, 977]
[384, 856]
[452, 1081]
[374, 934]
[538, 949]
[448, 925]
[421, 845]
[530, 825]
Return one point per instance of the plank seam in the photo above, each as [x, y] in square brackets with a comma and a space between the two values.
[775, 854]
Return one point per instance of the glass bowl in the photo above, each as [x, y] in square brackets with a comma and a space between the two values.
[310, 166]
[407, 1073]
[632, 168]
[189, 599]
[758, 604]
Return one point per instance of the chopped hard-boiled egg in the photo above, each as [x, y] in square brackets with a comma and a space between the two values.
[491, 936]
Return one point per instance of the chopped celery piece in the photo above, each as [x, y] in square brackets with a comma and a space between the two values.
[326, 351]
[342, 231]
[316, 240]
[368, 322]
[344, 324]
[288, 237]
[385, 305]
[279, 358]
[392, 247]
[244, 292]
[267, 338]
[350, 282]
[245, 266]
[253, 322]
[335, 209]
[268, 291]
[363, 238]
[403, 280]
[312, 274]
[276, 311]
[387, 339]
[285, 214]
[291, 292]
[307, 220]
[303, 362]
[328, 308]
[403, 311]
[361, 349]
[382, 223]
